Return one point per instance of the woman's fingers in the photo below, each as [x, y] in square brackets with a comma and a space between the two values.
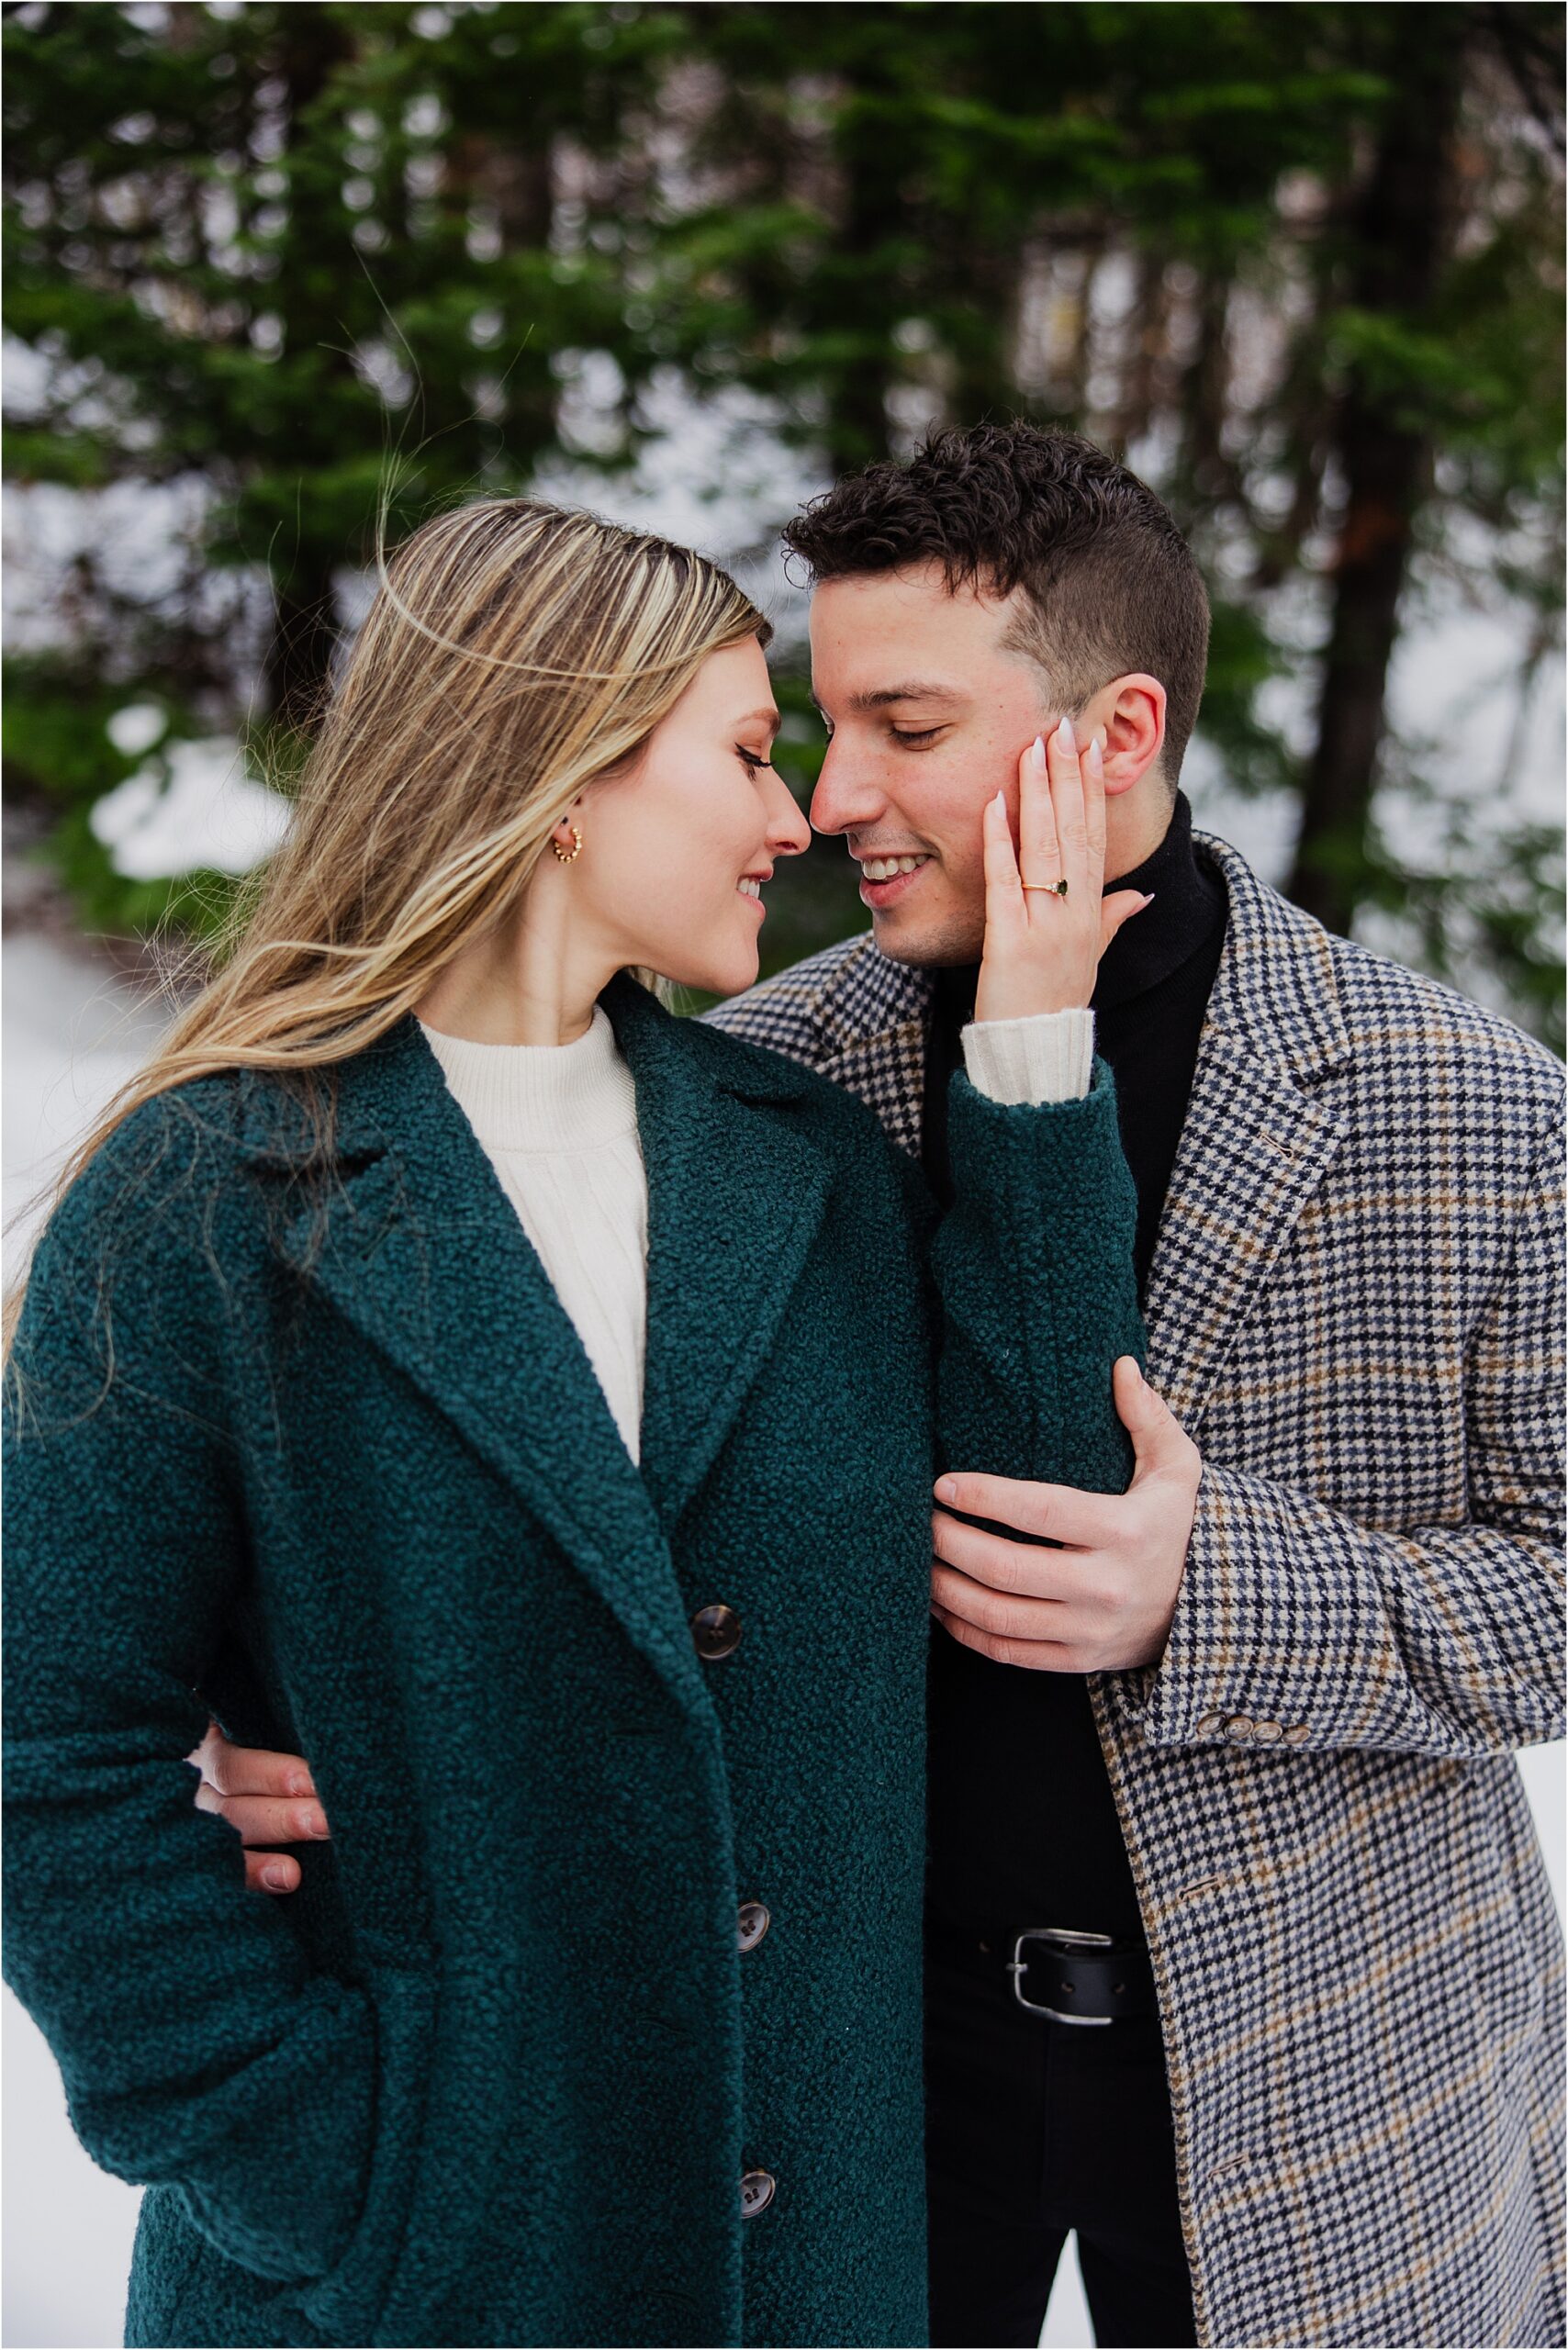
[1039, 858]
[1002, 891]
[1042, 901]
[1093, 765]
[1066, 805]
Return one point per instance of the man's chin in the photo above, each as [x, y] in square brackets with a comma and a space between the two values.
[929, 945]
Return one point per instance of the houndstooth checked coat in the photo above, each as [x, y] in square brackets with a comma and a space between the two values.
[1356, 1310]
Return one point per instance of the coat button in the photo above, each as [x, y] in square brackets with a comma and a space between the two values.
[1210, 1725]
[1240, 1726]
[758, 2191]
[1297, 1735]
[1266, 1733]
[754, 1921]
[716, 1630]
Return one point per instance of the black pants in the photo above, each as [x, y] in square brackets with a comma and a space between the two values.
[1035, 2130]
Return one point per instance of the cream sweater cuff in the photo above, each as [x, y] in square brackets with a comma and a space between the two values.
[1048, 1057]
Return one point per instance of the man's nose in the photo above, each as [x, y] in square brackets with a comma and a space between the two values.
[848, 792]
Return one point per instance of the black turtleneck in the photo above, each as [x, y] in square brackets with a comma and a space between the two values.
[1022, 1824]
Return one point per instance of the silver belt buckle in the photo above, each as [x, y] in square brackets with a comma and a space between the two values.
[1070, 1940]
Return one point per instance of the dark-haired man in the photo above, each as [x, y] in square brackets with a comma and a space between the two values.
[1289, 2063]
[1288, 2060]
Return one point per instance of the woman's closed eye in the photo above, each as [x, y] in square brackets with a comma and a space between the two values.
[754, 760]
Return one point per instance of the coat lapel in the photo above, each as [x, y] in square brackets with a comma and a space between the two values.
[736, 1192]
[419, 1247]
[882, 1018]
[1264, 1123]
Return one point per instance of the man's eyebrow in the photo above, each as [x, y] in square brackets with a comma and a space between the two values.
[911, 689]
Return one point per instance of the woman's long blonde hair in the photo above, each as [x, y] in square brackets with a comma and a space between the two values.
[513, 651]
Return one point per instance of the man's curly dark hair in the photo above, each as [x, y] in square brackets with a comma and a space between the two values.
[1109, 584]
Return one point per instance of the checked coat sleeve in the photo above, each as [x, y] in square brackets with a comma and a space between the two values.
[1442, 1639]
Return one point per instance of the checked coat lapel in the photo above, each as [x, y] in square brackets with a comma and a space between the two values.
[419, 1246]
[878, 1044]
[1264, 1123]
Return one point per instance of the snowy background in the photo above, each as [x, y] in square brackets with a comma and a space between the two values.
[74, 1028]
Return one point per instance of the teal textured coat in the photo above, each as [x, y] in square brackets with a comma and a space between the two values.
[329, 1459]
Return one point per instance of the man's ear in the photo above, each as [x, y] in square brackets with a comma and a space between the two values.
[1128, 715]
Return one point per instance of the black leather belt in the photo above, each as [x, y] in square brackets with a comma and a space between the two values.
[1060, 1973]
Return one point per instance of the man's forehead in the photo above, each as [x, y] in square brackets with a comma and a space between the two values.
[906, 635]
[893, 636]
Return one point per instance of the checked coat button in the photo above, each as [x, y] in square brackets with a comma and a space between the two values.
[758, 2191]
[716, 1630]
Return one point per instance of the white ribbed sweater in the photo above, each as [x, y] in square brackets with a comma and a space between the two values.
[559, 1124]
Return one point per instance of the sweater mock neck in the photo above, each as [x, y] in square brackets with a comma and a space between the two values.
[542, 1096]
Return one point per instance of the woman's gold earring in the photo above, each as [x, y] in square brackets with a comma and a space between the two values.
[566, 855]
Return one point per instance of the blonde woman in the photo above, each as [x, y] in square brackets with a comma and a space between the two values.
[448, 1365]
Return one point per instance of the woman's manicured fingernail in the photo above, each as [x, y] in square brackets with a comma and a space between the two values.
[275, 1875]
[945, 1490]
[1038, 755]
[1065, 739]
[1093, 761]
[1149, 899]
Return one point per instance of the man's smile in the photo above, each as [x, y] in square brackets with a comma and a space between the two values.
[884, 878]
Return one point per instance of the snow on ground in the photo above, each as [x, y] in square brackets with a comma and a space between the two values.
[74, 1032]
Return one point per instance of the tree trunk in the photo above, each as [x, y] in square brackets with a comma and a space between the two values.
[1146, 359]
[857, 427]
[1400, 238]
[304, 633]
[857, 299]
[296, 670]
[1206, 472]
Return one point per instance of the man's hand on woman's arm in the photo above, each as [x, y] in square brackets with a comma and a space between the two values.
[269, 1799]
[1104, 1601]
